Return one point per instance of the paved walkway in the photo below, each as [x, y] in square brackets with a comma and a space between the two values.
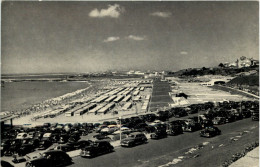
[250, 159]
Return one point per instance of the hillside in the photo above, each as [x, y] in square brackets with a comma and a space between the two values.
[251, 80]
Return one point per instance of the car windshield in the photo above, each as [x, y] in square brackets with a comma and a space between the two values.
[210, 129]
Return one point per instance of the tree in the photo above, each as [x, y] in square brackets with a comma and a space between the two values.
[221, 65]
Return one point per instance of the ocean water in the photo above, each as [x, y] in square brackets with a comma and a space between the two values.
[21, 95]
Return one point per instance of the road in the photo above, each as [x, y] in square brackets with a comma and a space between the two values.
[174, 149]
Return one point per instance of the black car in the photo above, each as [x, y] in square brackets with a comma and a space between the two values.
[206, 122]
[181, 113]
[84, 131]
[34, 142]
[81, 144]
[230, 118]
[64, 147]
[51, 159]
[159, 132]
[210, 131]
[74, 138]
[5, 144]
[101, 137]
[25, 149]
[140, 127]
[14, 146]
[6, 164]
[134, 139]
[255, 115]
[63, 139]
[44, 144]
[174, 129]
[246, 113]
[96, 148]
[39, 135]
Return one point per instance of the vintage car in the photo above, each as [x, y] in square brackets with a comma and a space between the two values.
[53, 158]
[44, 144]
[25, 149]
[134, 139]
[219, 120]
[210, 131]
[81, 144]
[96, 148]
[63, 139]
[174, 129]
[159, 131]
[64, 147]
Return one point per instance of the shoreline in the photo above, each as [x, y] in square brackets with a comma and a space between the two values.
[25, 107]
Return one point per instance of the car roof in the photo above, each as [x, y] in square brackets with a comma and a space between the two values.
[54, 151]
[136, 133]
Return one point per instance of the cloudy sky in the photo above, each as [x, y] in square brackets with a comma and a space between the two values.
[44, 37]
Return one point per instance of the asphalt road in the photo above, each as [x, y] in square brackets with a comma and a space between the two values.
[174, 149]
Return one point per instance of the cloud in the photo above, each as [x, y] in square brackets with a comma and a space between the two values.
[136, 38]
[162, 14]
[111, 39]
[113, 11]
[183, 53]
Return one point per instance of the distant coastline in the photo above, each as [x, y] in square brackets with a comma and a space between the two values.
[21, 94]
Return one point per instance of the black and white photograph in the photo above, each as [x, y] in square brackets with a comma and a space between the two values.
[129, 83]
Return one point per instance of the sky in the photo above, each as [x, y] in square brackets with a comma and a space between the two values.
[53, 37]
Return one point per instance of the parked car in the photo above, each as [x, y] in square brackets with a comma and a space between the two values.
[64, 147]
[180, 113]
[25, 149]
[31, 134]
[81, 144]
[44, 144]
[206, 122]
[39, 135]
[34, 142]
[210, 131]
[230, 118]
[22, 136]
[190, 125]
[174, 129]
[14, 146]
[134, 139]
[96, 148]
[101, 137]
[53, 158]
[255, 115]
[6, 164]
[5, 144]
[109, 129]
[159, 131]
[47, 136]
[124, 130]
[219, 120]
[74, 138]
[150, 117]
[63, 139]
[246, 113]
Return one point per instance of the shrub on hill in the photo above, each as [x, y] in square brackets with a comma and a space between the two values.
[251, 80]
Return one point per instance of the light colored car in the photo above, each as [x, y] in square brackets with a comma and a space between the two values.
[109, 129]
[22, 136]
[123, 130]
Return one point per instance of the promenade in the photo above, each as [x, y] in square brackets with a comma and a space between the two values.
[250, 159]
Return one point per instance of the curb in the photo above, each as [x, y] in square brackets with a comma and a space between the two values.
[250, 159]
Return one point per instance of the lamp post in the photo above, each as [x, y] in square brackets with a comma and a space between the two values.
[120, 129]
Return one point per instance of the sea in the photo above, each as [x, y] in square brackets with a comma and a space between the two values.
[21, 95]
